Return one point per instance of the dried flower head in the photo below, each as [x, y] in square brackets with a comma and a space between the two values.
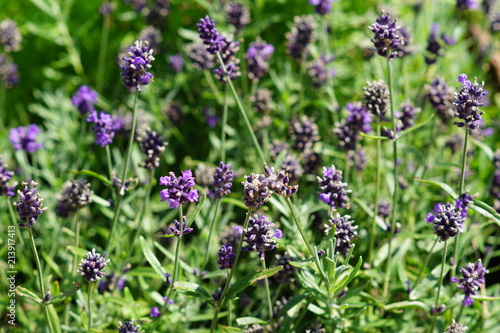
[84, 99]
[473, 277]
[292, 166]
[345, 232]
[237, 15]
[136, 64]
[447, 220]
[5, 177]
[29, 207]
[467, 102]
[104, 127]
[376, 98]
[10, 36]
[24, 138]
[223, 181]
[152, 145]
[407, 115]
[256, 190]
[91, 268]
[334, 191]
[319, 72]
[74, 196]
[226, 257]
[456, 328]
[387, 39]
[259, 235]
[300, 36]
[179, 189]
[278, 182]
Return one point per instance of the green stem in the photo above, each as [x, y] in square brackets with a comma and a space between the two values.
[110, 164]
[89, 309]
[396, 181]
[441, 276]
[102, 52]
[40, 280]
[212, 86]
[14, 222]
[268, 293]
[212, 228]
[224, 121]
[222, 300]
[373, 229]
[124, 173]
[425, 264]
[242, 111]
[460, 313]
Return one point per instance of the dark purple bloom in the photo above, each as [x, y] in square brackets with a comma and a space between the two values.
[228, 49]
[223, 180]
[334, 191]
[5, 177]
[301, 36]
[152, 36]
[473, 277]
[441, 98]
[74, 196]
[8, 72]
[168, 279]
[463, 201]
[136, 64]
[128, 327]
[179, 229]
[256, 190]
[357, 158]
[231, 236]
[467, 102]
[406, 116]
[10, 36]
[173, 111]
[176, 62]
[387, 39]
[304, 133]
[155, 312]
[292, 166]
[84, 99]
[260, 236]
[199, 56]
[404, 48]
[91, 268]
[345, 232]
[456, 327]
[24, 137]
[179, 189]
[29, 206]
[104, 127]
[122, 187]
[384, 210]
[152, 145]
[376, 98]
[237, 15]
[262, 101]
[447, 220]
[278, 182]
[226, 257]
[322, 7]
[434, 45]
[258, 54]
[495, 182]
[466, 4]
[346, 135]
[210, 35]
[359, 117]
[319, 72]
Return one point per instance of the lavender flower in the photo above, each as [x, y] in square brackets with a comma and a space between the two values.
[345, 232]
[473, 274]
[434, 45]
[319, 72]
[155, 312]
[106, 8]
[91, 268]
[286, 275]
[211, 118]
[256, 191]
[10, 37]
[278, 182]
[346, 135]
[152, 36]
[404, 48]
[210, 35]
[176, 62]
[259, 236]
[179, 229]
[5, 177]
[128, 327]
[304, 132]
[468, 101]
[357, 158]
[387, 39]
[24, 138]
[441, 98]
[292, 166]
[223, 180]
[84, 99]
[226, 257]
[74, 196]
[103, 127]
[179, 189]
[258, 54]
[466, 4]
[228, 49]
[447, 220]
[152, 145]
[358, 117]
[8, 71]
[456, 328]
[204, 175]
[322, 7]
[406, 116]
[301, 36]
[376, 98]
[463, 201]
[136, 64]
[334, 190]
[237, 15]
[29, 206]
[199, 56]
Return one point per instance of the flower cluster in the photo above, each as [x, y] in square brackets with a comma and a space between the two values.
[404, 48]
[447, 220]
[84, 99]
[345, 232]
[136, 64]
[74, 196]
[376, 98]
[226, 257]
[434, 45]
[10, 36]
[301, 36]
[91, 268]
[456, 328]
[262, 101]
[237, 15]
[334, 191]
[473, 277]
[278, 182]
[223, 180]
[440, 96]
[259, 235]
[179, 189]
[24, 138]
[228, 50]
[199, 56]
[176, 62]
[304, 133]
[256, 190]
[467, 102]
[152, 36]
[29, 206]
[292, 166]
[209, 35]
[258, 54]
[128, 327]
[104, 127]
[387, 39]
[347, 131]
[152, 145]
[5, 177]
[322, 7]
[319, 72]
[179, 229]
[286, 275]
[406, 117]
[8, 72]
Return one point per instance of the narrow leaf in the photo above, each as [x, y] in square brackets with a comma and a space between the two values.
[193, 290]
[151, 258]
[244, 321]
[290, 304]
[406, 305]
[21, 291]
[63, 296]
[199, 206]
[90, 173]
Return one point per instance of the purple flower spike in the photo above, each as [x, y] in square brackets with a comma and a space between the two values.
[5, 177]
[334, 192]
[104, 128]
[29, 206]
[447, 220]
[345, 232]
[179, 189]
[256, 191]
[259, 235]
[387, 39]
[176, 62]
[155, 312]
[467, 102]
[237, 15]
[128, 327]
[84, 99]
[136, 64]
[91, 268]
[278, 182]
[24, 137]
[466, 4]
[226, 257]
[223, 181]
[10, 36]
[322, 7]
[301, 36]
[258, 54]
[179, 229]
[209, 34]
[473, 274]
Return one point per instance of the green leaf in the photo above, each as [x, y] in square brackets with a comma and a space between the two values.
[234, 202]
[300, 263]
[485, 148]
[406, 305]
[100, 177]
[429, 282]
[228, 329]
[197, 211]
[352, 293]
[54, 319]
[445, 187]
[244, 321]
[247, 280]
[416, 127]
[290, 304]
[374, 137]
[193, 290]
[63, 296]
[486, 298]
[21, 291]
[369, 211]
[351, 276]
[78, 251]
[151, 258]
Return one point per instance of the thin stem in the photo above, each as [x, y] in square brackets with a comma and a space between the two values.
[441, 276]
[224, 121]
[77, 244]
[460, 313]
[212, 228]
[14, 221]
[268, 294]
[89, 309]
[425, 264]
[102, 52]
[396, 182]
[110, 164]
[231, 273]
[242, 111]
[373, 229]
[40, 279]
[213, 86]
